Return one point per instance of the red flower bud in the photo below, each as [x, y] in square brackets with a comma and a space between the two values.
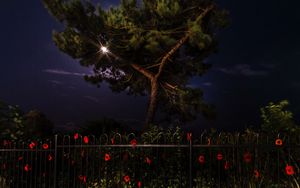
[201, 159]
[226, 165]
[148, 160]
[189, 136]
[76, 136]
[247, 157]
[126, 179]
[45, 146]
[86, 139]
[278, 142]
[133, 142]
[219, 156]
[139, 184]
[50, 157]
[82, 178]
[27, 167]
[256, 174]
[289, 170]
[107, 157]
[32, 145]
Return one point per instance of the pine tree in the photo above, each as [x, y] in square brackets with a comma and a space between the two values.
[147, 47]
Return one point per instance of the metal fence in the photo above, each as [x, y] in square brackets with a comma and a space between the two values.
[224, 160]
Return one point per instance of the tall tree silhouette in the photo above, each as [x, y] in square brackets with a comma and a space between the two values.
[148, 47]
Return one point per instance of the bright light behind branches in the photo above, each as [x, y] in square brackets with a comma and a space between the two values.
[104, 49]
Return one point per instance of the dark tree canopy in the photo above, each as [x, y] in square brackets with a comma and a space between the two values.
[148, 47]
[16, 125]
[277, 119]
[37, 124]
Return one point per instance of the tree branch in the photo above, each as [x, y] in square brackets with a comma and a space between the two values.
[180, 42]
[143, 71]
[167, 85]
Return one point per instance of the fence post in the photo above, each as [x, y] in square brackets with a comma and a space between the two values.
[55, 160]
[190, 161]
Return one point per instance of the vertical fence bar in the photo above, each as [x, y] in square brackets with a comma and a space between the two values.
[190, 161]
[55, 161]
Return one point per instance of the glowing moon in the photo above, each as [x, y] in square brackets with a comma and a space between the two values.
[104, 49]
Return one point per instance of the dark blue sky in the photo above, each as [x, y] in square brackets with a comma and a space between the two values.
[258, 62]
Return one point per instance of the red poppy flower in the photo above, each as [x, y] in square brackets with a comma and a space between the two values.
[107, 157]
[226, 165]
[126, 179]
[139, 184]
[45, 146]
[133, 142]
[50, 157]
[201, 159]
[76, 136]
[189, 136]
[256, 174]
[32, 145]
[86, 139]
[20, 158]
[289, 170]
[247, 157]
[148, 161]
[278, 142]
[219, 156]
[27, 167]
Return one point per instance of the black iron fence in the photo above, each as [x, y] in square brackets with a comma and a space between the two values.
[225, 160]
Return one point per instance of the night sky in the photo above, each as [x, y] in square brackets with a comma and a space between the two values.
[257, 62]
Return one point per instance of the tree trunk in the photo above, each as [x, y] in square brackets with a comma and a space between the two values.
[152, 104]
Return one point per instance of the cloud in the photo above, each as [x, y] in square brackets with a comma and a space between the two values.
[197, 85]
[64, 95]
[268, 65]
[105, 73]
[244, 70]
[72, 87]
[207, 84]
[93, 99]
[63, 72]
[192, 86]
[55, 82]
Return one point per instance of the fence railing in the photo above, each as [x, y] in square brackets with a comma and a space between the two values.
[225, 160]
